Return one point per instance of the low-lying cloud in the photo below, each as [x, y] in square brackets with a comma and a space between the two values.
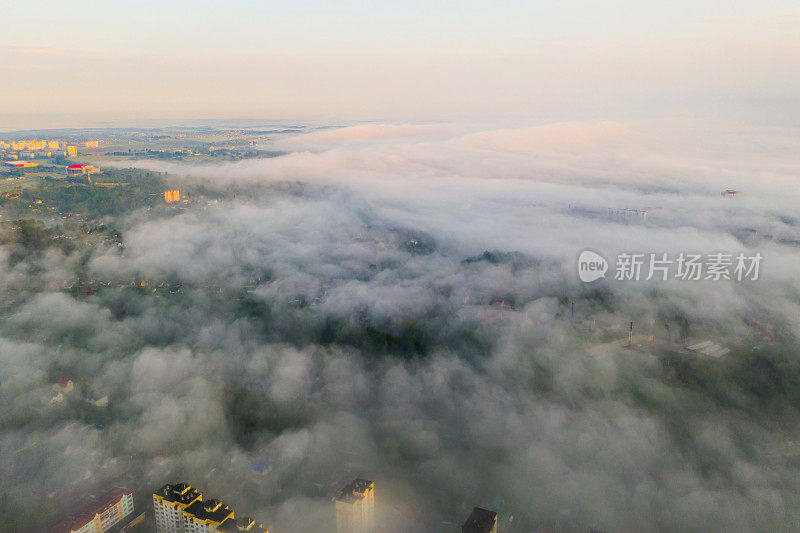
[401, 302]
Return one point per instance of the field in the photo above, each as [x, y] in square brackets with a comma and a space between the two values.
[9, 184]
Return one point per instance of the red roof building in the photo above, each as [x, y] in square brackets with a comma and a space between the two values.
[99, 515]
[79, 169]
[20, 164]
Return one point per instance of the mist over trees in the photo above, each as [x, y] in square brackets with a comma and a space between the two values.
[407, 309]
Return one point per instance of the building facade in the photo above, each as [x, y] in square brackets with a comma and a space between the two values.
[172, 195]
[181, 509]
[168, 504]
[20, 164]
[101, 514]
[355, 507]
[80, 169]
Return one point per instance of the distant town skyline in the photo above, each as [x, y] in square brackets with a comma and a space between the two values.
[87, 63]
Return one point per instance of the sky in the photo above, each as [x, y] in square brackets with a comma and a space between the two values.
[86, 63]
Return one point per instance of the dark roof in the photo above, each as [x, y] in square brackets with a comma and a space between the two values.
[88, 512]
[243, 523]
[213, 510]
[479, 521]
[354, 490]
[181, 493]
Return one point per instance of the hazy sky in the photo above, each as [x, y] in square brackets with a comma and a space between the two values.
[85, 62]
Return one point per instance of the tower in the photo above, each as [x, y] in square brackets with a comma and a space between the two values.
[355, 507]
[168, 504]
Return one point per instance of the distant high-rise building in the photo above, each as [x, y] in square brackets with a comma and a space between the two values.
[355, 507]
[181, 509]
[72, 150]
[101, 514]
[480, 521]
[172, 195]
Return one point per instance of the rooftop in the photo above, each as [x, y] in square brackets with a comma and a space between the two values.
[355, 490]
[479, 521]
[182, 493]
[209, 511]
[243, 523]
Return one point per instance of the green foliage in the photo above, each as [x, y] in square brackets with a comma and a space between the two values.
[31, 235]
[137, 189]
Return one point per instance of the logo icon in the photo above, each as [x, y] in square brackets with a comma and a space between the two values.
[591, 266]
